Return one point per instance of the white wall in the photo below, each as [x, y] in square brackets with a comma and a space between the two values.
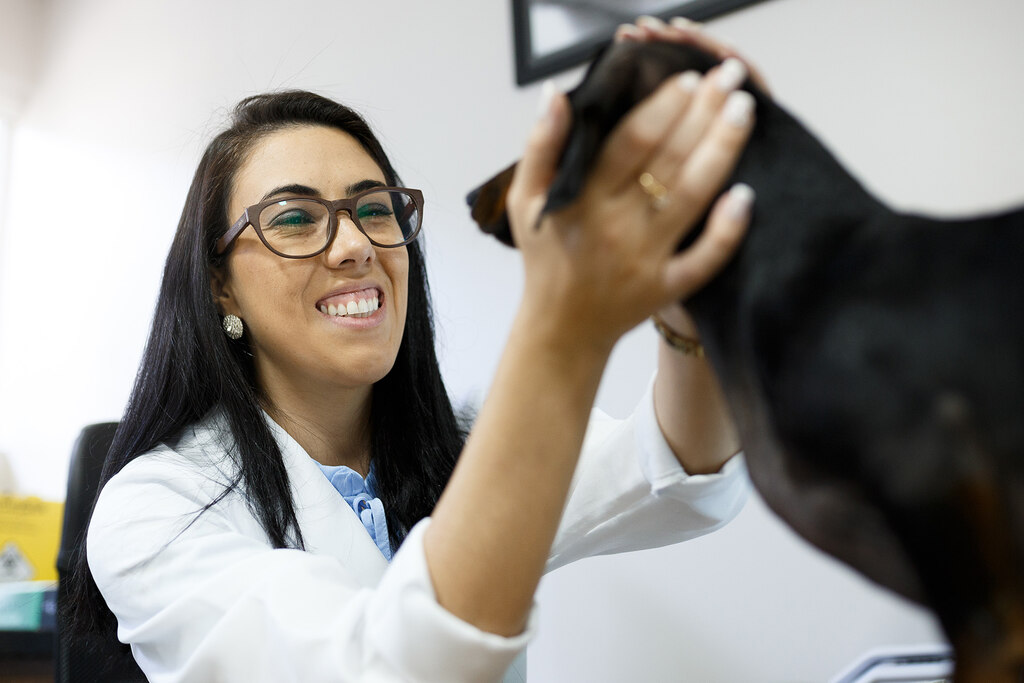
[21, 43]
[919, 97]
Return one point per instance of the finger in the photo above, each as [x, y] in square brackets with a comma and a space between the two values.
[685, 31]
[688, 32]
[715, 89]
[537, 168]
[646, 28]
[628, 32]
[643, 130]
[715, 157]
[651, 26]
[708, 101]
[685, 24]
[692, 268]
[544, 145]
[705, 171]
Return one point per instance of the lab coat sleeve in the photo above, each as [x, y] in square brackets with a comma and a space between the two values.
[629, 491]
[205, 598]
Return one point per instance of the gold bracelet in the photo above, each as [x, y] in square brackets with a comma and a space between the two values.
[687, 345]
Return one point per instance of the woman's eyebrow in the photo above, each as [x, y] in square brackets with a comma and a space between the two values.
[295, 188]
[367, 184]
[292, 189]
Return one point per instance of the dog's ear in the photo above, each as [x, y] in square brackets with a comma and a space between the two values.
[622, 75]
[487, 202]
[487, 206]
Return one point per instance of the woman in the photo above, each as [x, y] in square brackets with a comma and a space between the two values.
[283, 501]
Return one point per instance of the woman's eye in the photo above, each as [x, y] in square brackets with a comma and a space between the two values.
[374, 211]
[292, 219]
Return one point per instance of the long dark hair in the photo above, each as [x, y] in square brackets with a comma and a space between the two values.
[190, 367]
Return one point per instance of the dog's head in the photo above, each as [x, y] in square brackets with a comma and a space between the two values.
[622, 75]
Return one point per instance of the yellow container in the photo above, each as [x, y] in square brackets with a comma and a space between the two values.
[29, 538]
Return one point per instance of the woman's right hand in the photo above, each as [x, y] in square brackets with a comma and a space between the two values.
[605, 263]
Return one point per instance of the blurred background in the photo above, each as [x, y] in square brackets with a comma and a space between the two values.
[105, 106]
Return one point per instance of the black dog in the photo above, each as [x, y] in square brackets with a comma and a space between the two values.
[874, 362]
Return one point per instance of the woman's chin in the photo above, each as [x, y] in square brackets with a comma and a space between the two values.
[366, 372]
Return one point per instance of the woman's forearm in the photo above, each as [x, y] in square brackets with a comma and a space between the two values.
[691, 409]
[492, 529]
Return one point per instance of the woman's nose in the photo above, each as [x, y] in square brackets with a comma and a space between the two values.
[350, 247]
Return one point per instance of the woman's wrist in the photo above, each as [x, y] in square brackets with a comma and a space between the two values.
[689, 346]
[556, 334]
[689, 404]
[678, 330]
[677, 319]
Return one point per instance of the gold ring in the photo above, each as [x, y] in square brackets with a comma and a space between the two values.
[655, 190]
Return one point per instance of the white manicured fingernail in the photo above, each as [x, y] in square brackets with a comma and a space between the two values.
[740, 201]
[683, 22]
[739, 108]
[547, 93]
[650, 22]
[689, 81]
[628, 31]
[731, 74]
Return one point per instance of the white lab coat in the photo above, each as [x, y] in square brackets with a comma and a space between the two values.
[207, 599]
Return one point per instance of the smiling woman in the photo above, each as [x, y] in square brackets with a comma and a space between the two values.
[282, 501]
[296, 347]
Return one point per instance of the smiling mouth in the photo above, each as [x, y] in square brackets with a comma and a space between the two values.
[361, 304]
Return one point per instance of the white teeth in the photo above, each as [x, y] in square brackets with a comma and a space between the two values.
[361, 308]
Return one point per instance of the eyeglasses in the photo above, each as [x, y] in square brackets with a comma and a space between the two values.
[301, 227]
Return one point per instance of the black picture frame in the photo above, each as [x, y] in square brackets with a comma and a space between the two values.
[531, 67]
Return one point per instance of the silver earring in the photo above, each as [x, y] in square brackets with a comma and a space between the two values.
[233, 326]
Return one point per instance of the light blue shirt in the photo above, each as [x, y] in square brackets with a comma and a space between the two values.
[359, 494]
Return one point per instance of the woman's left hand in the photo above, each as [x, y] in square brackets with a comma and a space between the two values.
[686, 32]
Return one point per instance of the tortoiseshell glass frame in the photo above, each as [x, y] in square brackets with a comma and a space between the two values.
[347, 204]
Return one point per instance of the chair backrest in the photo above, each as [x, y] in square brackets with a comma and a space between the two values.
[99, 657]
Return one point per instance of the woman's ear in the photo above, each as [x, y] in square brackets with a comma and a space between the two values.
[221, 291]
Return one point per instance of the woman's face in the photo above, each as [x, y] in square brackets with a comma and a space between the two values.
[282, 301]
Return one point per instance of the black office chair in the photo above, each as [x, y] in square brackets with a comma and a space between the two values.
[101, 657]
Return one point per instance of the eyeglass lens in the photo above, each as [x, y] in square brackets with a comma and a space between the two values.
[299, 227]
